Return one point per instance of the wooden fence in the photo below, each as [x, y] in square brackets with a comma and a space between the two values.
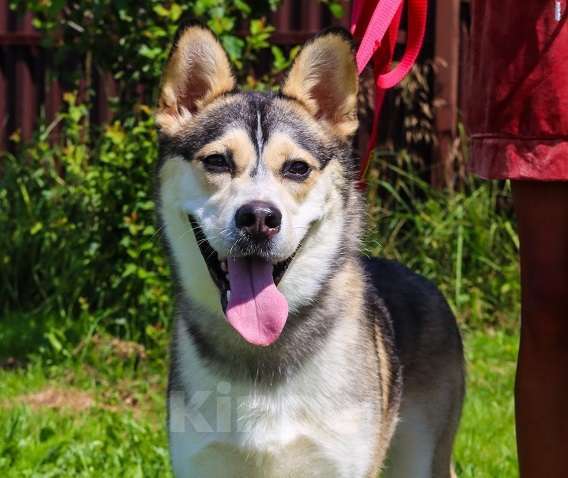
[26, 90]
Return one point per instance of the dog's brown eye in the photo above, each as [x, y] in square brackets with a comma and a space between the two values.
[296, 170]
[216, 163]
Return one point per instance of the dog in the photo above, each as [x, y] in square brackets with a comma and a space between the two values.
[292, 355]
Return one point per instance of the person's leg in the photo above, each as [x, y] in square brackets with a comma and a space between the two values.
[542, 375]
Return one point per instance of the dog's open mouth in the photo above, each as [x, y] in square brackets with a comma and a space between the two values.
[249, 297]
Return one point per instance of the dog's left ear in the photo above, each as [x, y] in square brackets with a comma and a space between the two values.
[324, 79]
[197, 72]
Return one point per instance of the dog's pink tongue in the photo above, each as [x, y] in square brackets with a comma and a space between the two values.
[257, 309]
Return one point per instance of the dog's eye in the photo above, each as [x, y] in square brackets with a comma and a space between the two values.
[216, 163]
[296, 170]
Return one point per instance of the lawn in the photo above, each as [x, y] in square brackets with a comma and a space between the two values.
[486, 441]
[100, 412]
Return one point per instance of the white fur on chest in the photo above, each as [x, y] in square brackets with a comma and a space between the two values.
[298, 429]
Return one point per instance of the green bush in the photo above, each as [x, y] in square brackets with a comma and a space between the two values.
[130, 39]
[77, 223]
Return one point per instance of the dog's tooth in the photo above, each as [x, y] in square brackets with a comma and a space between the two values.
[228, 295]
[224, 266]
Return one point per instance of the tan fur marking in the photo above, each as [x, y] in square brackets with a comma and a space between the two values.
[235, 141]
[197, 72]
[324, 78]
[281, 148]
[349, 281]
[384, 368]
[388, 415]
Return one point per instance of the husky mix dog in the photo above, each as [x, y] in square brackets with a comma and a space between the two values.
[292, 355]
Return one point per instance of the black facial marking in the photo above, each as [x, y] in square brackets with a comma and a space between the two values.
[304, 133]
[257, 126]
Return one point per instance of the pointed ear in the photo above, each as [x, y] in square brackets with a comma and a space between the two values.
[197, 72]
[324, 78]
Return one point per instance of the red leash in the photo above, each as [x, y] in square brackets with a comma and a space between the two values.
[376, 23]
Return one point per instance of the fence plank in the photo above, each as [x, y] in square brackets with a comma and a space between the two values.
[26, 93]
[311, 16]
[283, 17]
[3, 78]
[446, 89]
[53, 103]
[105, 90]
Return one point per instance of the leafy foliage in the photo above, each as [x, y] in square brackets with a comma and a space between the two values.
[77, 223]
[131, 39]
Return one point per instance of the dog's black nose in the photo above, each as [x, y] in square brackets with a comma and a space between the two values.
[260, 219]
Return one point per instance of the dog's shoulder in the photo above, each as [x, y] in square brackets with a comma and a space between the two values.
[423, 323]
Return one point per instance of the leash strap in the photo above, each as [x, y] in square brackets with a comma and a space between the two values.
[378, 36]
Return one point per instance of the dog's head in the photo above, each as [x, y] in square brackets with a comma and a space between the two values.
[251, 185]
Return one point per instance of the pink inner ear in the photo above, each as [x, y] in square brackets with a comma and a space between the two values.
[327, 104]
[195, 89]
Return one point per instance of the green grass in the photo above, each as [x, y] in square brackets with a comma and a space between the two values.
[122, 433]
[486, 442]
[112, 423]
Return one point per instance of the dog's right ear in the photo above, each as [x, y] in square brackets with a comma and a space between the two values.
[197, 72]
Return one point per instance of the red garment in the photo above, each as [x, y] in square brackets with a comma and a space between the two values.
[518, 91]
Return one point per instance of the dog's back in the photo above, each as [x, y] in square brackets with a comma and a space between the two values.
[429, 347]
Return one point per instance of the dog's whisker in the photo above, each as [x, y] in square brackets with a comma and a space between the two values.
[157, 233]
